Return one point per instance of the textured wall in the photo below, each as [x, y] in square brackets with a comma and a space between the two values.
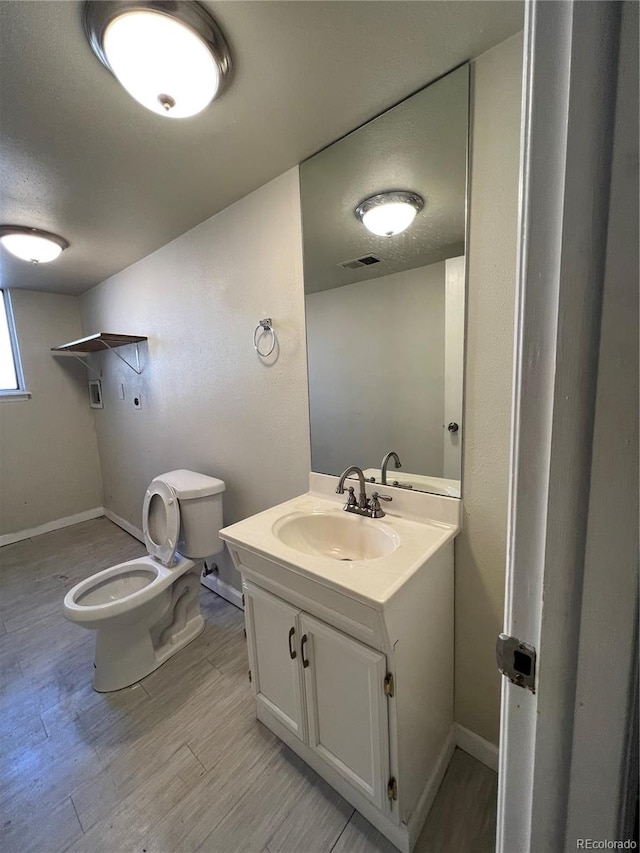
[376, 362]
[208, 402]
[49, 466]
[481, 547]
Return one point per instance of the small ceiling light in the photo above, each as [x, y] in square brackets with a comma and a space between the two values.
[31, 244]
[170, 56]
[388, 214]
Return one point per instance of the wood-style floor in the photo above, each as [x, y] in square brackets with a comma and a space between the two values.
[178, 762]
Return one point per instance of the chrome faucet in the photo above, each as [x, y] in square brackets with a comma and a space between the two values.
[385, 462]
[363, 506]
[362, 498]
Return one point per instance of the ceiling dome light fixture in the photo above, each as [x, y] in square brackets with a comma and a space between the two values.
[390, 213]
[31, 244]
[170, 55]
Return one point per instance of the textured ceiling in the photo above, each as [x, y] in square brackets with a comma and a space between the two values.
[79, 157]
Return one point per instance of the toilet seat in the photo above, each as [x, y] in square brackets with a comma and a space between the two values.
[164, 550]
[78, 607]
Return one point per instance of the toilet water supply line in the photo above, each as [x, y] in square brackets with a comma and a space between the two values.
[267, 327]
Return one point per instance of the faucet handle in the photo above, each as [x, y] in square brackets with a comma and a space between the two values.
[351, 498]
[374, 508]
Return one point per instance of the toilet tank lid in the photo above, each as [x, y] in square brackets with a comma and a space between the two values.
[190, 484]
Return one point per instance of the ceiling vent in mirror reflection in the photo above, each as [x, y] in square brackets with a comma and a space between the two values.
[357, 263]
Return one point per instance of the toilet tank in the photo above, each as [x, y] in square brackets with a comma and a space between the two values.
[200, 499]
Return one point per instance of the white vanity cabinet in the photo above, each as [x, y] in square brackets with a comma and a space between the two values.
[324, 687]
[363, 695]
[352, 659]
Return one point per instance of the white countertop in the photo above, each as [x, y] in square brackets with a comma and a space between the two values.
[371, 581]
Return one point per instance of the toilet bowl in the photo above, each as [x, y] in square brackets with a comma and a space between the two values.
[145, 610]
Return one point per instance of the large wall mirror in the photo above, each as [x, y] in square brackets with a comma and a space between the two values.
[385, 314]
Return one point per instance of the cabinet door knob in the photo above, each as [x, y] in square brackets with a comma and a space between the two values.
[292, 652]
[305, 661]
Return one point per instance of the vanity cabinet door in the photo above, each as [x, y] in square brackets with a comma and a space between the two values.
[273, 640]
[346, 707]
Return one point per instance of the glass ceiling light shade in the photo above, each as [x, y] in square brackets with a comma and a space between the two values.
[31, 244]
[170, 56]
[388, 214]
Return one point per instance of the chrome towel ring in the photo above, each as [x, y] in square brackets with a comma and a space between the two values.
[266, 326]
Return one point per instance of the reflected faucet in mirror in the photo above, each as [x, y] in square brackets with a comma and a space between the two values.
[363, 506]
[385, 462]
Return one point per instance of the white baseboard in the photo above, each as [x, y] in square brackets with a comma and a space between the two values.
[477, 746]
[124, 524]
[223, 589]
[57, 524]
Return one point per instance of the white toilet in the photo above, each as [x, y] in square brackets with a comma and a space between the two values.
[146, 610]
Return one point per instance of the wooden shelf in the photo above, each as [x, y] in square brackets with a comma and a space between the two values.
[99, 343]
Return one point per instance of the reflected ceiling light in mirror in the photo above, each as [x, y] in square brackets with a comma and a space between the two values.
[171, 57]
[31, 244]
[390, 213]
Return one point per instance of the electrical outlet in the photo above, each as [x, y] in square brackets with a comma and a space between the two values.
[137, 401]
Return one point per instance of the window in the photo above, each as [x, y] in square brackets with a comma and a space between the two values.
[11, 378]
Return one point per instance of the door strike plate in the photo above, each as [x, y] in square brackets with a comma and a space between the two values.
[516, 661]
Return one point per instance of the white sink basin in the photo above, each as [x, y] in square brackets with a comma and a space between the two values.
[311, 535]
[337, 535]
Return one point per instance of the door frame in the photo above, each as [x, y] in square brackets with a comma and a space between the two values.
[569, 92]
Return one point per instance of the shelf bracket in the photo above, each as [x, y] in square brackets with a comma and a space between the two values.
[137, 369]
[87, 365]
